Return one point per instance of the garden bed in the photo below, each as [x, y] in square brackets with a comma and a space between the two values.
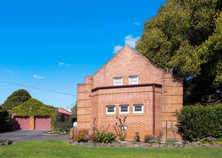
[140, 144]
[54, 133]
[5, 142]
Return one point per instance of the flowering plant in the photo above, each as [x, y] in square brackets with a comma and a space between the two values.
[83, 136]
[208, 140]
[152, 139]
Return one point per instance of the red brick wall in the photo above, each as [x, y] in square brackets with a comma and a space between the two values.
[125, 63]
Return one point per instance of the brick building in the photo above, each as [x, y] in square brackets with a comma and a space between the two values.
[130, 85]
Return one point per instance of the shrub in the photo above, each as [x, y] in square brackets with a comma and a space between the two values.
[83, 136]
[3, 117]
[62, 126]
[200, 122]
[103, 137]
[137, 137]
[120, 130]
[151, 139]
[147, 138]
[208, 140]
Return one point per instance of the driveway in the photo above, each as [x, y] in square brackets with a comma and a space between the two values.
[29, 135]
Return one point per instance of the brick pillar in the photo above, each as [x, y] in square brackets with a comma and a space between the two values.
[32, 122]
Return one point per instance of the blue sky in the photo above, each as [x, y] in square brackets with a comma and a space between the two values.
[54, 44]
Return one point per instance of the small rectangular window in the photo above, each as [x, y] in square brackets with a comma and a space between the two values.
[138, 108]
[133, 80]
[124, 109]
[117, 81]
[111, 109]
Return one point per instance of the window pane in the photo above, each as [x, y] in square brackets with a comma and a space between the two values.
[133, 79]
[117, 81]
[138, 108]
[111, 109]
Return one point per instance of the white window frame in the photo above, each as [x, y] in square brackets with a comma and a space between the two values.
[137, 112]
[117, 78]
[124, 112]
[110, 112]
[136, 78]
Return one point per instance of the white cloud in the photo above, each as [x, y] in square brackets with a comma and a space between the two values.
[137, 23]
[131, 41]
[38, 76]
[61, 63]
[10, 71]
[117, 48]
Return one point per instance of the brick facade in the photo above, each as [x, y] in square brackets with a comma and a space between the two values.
[157, 90]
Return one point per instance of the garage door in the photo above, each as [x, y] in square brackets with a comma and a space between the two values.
[22, 123]
[42, 122]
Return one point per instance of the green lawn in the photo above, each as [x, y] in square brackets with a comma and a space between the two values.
[58, 148]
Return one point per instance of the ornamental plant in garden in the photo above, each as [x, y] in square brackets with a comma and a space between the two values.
[120, 130]
[83, 136]
[102, 136]
[152, 139]
[197, 122]
[137, 137]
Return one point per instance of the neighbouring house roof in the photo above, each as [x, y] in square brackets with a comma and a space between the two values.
[64, 111]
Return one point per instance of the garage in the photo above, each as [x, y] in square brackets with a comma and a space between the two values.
[42, 123]
[22, 123]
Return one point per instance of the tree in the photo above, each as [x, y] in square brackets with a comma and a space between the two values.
[16, 98]
[74, 109]
[186, 36]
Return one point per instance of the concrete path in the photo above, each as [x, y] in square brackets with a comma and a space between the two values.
[29, 135]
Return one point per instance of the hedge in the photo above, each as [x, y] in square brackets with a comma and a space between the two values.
[34, 107]
[3, 117]
[200, 121]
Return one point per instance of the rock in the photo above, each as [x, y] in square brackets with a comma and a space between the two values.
[155, 145]
[170, 146]
[90, 144]
[162, 145]
[76, 143]
[194, 144]
[103, 144]
[145, 145]
[115, 144]
[129, 144]
[109, 144]
[180, 145]
[123, 144]
[206, 145]
[216, 145]
[98, 144]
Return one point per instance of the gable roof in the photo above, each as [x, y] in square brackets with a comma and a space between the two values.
[123, 48]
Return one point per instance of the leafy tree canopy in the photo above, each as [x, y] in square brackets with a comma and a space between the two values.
[186, 36]
[16, 98]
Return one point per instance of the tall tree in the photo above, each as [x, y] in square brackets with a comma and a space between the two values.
[16, 98]
[186, 36]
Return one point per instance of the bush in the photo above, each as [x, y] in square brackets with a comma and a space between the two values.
[151, 139]
[103, 137]
[62, 126]
[3, 117]
[200, 122]
[147, 138]
[83, 136]
[137, 137]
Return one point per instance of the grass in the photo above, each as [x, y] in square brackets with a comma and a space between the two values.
[58, 148]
